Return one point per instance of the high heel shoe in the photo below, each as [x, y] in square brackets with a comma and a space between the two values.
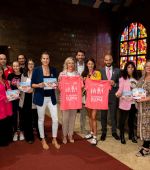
[55, 143]
[71, 140]
[44, 144]
[64, 140]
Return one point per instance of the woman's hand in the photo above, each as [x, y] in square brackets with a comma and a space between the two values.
[118, 94]
[41, 85]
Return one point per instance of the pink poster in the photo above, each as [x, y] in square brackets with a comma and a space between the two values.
[70, 92]
[97, 92]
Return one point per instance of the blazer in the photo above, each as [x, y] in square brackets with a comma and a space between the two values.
[115, 77]
[37, 77]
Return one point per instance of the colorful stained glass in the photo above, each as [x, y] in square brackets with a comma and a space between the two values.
[123, 61]
[141, 60]
[132, 47]
[123, 48]
[142, 46]
[133, 59]
[124, 35]
[141, 31]
[132, 31]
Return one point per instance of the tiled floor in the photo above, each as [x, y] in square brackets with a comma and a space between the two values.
[124, 153]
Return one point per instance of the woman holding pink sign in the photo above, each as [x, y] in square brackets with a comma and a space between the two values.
[70, 86]
[144, 112]
[91, 73]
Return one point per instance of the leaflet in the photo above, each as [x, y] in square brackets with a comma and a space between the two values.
[12, 95]
[50, 83]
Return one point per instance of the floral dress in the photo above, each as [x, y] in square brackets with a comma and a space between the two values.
[143, 125]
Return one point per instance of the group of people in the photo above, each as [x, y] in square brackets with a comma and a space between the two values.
[18, 117]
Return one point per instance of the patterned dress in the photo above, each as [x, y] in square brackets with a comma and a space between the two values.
[143, 125]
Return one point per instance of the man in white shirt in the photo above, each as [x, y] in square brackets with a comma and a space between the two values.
[80, 57]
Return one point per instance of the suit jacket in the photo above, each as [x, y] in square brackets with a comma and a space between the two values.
[37, 77]
[115, 77]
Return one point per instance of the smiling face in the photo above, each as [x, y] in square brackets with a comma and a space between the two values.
[147, 67]
[21, 59]
[45, 60]
[16, 67]
[70, 65]
[108, 60]
[80, 57]
[130, 69]
[3, 60]
[30, 65]
[90, 65]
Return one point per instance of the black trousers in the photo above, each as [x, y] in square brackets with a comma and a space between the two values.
[27, 117]
[17, 118]
[131, 119]
[6, 131]
[146, 144]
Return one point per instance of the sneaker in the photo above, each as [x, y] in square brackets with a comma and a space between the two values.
[93, 141]
[15, 138]
[88, 136]
[21, 137]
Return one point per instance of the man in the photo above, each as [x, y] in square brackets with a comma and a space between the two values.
[22, 62]
[80, 56]
[112, 74]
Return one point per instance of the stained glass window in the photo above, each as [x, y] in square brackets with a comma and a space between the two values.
[133, 45]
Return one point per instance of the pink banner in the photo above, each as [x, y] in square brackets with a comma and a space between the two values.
[97, 92]
[70, 92]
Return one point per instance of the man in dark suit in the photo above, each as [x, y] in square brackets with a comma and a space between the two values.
[112, 74]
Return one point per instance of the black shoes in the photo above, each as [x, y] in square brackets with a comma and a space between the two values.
[116, 136]
[103, 136]
[133, 139]
[122, 138]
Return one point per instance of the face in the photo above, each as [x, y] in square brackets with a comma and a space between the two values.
[3, 60]
[30, 65]
[16, 67]
[70, 65]
[108, 60]
[21, 59]
[147, 67]
[80, 56]
[45, 60]
[130, 69]
[90, 65]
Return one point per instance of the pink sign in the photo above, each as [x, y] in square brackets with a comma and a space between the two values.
[70, 92]
[97, 92]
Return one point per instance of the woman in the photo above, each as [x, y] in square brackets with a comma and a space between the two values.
[144, 112]
[90, 72]
[45, 98]
[126, 104]
[3, 63]
[14, 80]
[28, 108]
[69, 115]
[5, 112]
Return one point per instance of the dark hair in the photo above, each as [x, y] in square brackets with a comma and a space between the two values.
[86, 70]
[80, 51]
[125, 74]
[25, 73]
[3, 75]
[46, 53]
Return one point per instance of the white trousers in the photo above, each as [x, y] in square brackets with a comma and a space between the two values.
[41, 116]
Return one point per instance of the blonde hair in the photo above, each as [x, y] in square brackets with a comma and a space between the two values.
[65, 67]
[143, 72]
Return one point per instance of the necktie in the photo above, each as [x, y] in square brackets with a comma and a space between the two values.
[108, 74]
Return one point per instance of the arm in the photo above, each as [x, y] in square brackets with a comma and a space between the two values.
[121, 86]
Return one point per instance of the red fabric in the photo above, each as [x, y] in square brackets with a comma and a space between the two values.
[97, 94]
[7, 71]
[70, 92]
